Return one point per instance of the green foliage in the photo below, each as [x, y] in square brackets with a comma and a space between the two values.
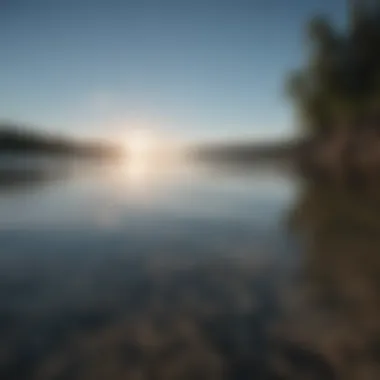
[340, 82]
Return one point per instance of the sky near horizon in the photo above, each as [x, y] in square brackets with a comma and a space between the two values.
[200, 69]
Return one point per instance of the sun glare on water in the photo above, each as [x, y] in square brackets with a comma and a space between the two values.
[140, 145]
[148, 156]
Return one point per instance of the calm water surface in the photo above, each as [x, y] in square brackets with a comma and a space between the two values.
[193, 272]
[112, 210]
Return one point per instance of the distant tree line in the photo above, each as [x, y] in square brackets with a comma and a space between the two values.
[19, 139]
[248, 152]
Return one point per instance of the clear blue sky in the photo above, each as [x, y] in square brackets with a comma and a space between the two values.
[201, 68]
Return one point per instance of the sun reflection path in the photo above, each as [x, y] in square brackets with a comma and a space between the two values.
[149, 160]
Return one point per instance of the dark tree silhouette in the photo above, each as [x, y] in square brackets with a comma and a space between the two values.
[337, 91]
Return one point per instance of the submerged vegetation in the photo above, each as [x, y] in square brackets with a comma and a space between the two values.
[234, 316]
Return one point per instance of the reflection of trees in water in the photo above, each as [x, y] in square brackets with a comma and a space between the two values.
[336, 307]
[27, 171]
[15, 180]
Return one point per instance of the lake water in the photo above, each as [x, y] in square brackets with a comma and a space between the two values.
[120, 272]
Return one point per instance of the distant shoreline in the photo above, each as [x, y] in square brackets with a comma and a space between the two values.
[19, 140]
[249, 152]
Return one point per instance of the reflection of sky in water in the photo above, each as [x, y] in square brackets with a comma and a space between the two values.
[87, 258]
[82, 227]
[189, 210]
[129, 195]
